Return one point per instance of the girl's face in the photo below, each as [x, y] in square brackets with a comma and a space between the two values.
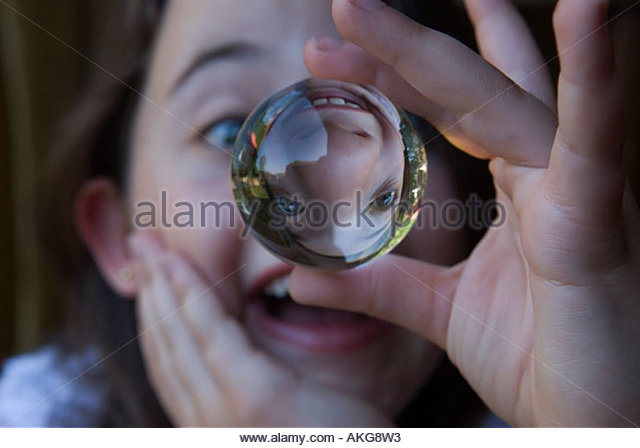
[214, 61]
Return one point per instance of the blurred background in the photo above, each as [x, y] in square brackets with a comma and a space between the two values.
[41, 73]
[44, 46]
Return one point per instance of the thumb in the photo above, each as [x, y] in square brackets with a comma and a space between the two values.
[406, 292]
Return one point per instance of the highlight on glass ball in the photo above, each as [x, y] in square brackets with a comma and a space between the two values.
[328, 174]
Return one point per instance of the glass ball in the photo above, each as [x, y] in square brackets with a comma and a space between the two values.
[328, 174]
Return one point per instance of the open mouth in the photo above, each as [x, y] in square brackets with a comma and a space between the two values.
[274, 314]
[280, 305]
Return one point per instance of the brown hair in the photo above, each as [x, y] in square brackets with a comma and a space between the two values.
[92, 142]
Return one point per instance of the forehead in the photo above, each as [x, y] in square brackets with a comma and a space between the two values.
[279, 26]
[246, 17]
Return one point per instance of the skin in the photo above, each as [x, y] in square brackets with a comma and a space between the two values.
[207, 361]
[542, 318]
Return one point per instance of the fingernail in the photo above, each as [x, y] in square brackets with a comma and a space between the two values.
[368, 5]
[172, 266]
[143, 248]
[325, 43]
[133, 245]
[175, 271]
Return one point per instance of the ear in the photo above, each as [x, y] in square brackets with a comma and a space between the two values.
[101, 220]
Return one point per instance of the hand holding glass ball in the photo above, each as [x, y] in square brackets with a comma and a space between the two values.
[328, 174]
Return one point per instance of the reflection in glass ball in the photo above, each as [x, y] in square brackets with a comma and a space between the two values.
[328, 174]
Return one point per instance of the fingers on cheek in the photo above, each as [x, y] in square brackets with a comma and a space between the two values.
[197, 299]
[141, 275]
[158, 364]
[171, 291]
[163, 367]
[170, 386]
[198, 306]
[187, 303]
[203, 314]
[181, 278]
[200, 310]
[155, 343]
[171, 347]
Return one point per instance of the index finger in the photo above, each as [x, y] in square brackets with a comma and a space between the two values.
[489, 107]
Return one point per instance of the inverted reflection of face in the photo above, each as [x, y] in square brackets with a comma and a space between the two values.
[363, 161]
[334, 161]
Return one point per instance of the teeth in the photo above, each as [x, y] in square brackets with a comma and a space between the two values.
[278, 288]
[336, 102]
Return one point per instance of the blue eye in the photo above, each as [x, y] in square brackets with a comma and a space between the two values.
[223, 133]
[290, 207]
[385, 200]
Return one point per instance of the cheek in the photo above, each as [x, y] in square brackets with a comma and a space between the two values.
[211, 238]
[195, 215]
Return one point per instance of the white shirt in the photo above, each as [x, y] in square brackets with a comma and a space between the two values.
[49, 388]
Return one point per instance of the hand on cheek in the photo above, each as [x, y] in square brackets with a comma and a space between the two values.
[202, 364]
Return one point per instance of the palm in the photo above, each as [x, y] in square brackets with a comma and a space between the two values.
[490, 334]
[526, 364]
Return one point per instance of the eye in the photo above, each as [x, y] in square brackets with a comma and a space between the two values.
[385, 200]
[223, 133]
[289, 206]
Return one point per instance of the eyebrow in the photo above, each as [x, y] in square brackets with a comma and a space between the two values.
[232, 50]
